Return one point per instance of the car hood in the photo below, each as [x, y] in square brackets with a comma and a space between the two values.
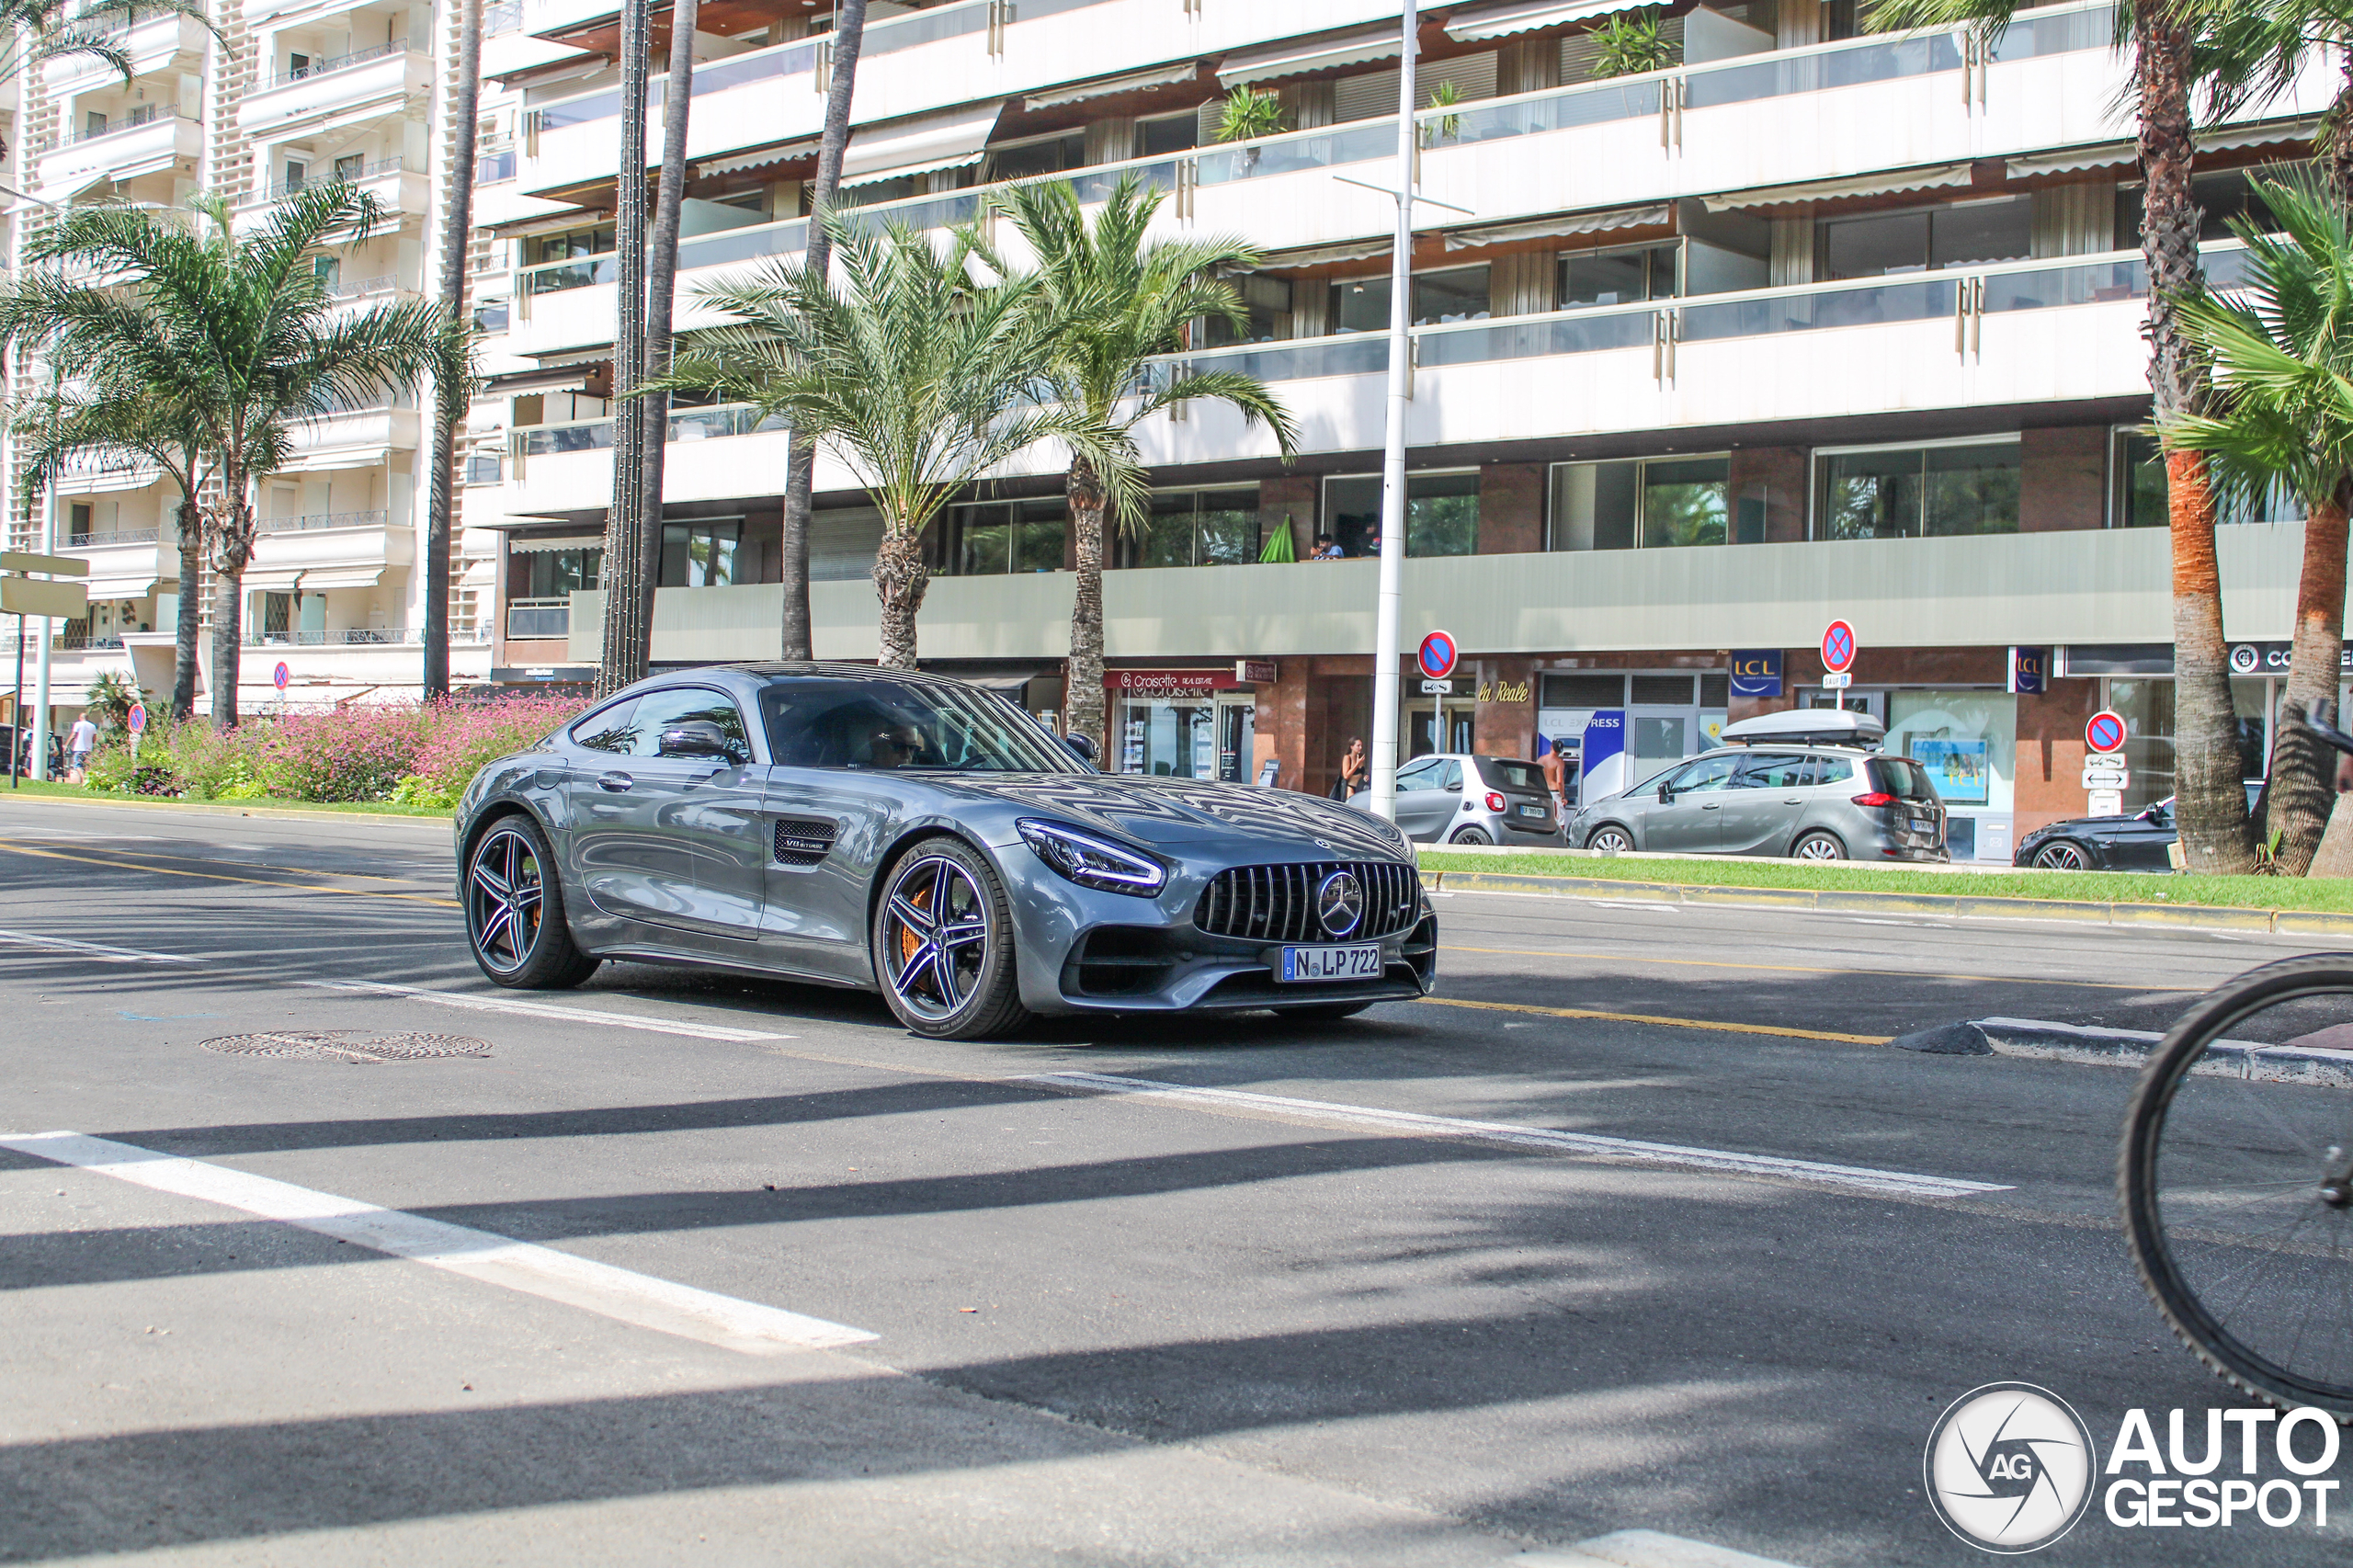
[1242, 818]
[2083, 825]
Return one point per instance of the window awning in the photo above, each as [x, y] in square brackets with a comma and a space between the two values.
[315, 580]
[737, 162]
[1552, 228]
[2109, 155]
[1936, 179]
[1293, 58]
[546, 543]
[2227, 136]
[1323, 255]
[1008, 684]
[1528, 16]
[1103, 88]
[920, 146]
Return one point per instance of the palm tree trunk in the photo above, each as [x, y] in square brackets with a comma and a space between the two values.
[662, 275]
[2210, 804]
[234, 546]
[900, 581]
[1083, 697]
[451, 397]
[2303, 771]
[183, 633]
[627, 638]
[801, 461]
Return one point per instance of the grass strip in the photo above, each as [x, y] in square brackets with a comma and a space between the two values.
[2091, 887]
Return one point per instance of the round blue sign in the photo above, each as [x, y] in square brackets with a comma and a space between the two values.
[1437, 654]
[281, 675]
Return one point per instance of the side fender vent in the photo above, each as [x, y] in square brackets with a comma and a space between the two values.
[804, 841]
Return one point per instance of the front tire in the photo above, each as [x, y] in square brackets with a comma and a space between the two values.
[1612, 839]
[1818, 846]
[2066, 855]
[943, 943]
[515, 911]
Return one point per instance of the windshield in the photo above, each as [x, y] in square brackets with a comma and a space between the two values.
[1512, 775]
[816, 721]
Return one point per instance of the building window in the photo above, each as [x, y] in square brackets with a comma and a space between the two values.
[1004, 536]
[699, 555]
[2138, 468]
[1624, 276]
[552, 574]
[490, 315]
[1918, 491]
[1658, 503]
[1453, 294]
[1441, 513]
[1196, 528]
[571, 244]
[494, 168]
[1956, 233]
[1164, 134]
[351, 166]
[486, 467]
[1045, 156]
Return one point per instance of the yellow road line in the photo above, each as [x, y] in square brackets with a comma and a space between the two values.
[223, 877]
[1808, 969]
[1710, 1025]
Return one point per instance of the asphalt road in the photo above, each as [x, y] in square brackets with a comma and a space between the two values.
[1057, 1318]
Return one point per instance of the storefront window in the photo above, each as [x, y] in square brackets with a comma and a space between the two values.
[1919, 491]
[1663, 503]
[2147, 708]
[1968, 742]
[1441, 513]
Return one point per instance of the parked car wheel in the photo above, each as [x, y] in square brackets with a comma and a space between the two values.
[1610, 839]
[943, 945]
[1819, 847]
[2064, 854]
[515, 911]
[1469, 835]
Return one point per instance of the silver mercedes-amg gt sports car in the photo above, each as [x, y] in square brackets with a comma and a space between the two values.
[913, 835]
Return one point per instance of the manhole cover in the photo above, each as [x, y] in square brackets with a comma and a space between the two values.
[348, 1045]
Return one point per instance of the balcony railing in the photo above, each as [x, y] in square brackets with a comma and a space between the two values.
[334, 63]
[539, 617]
[144, 114]
[691, 425]
[121, 535]
[310, 521]
[82, 643]
[361, 637]
[505, 17]
[1746, 78]
[280, 189]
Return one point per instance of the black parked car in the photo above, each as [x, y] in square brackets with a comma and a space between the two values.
[2135, 843]
[927, 839]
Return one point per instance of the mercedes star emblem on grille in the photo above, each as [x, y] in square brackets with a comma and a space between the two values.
[1339, 903]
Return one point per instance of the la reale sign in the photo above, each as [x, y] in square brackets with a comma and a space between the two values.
[1165, 685]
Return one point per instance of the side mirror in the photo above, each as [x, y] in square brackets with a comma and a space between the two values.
[695, 737]
[1666, 794]
[1081, 747]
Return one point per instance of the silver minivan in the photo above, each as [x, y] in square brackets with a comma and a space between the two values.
[1455, 798]
[1805, 802]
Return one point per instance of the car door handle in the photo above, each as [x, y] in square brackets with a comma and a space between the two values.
[618, 783]
[1792, 800]
[1711, 805]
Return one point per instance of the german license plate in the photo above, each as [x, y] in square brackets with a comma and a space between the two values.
[1358, 960]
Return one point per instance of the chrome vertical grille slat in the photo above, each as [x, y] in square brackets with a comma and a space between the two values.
[1277, 902]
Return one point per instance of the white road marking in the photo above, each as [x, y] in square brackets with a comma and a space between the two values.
[622, 1294]
[1642, 1549]
[1863, 1177]
[91, 949]
[547, 1010]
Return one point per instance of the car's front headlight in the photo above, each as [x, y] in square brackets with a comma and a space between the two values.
[1093, 862]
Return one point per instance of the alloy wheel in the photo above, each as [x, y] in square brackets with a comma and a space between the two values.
[505, 893]
[935, 935]
[2062, 857]
[1610, 841]
[1821, 847]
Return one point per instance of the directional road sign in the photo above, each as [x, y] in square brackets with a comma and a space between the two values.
[1436, 655]
[1838, 648]
[2104, 731]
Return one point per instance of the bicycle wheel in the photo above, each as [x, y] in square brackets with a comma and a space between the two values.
[2236, 1181]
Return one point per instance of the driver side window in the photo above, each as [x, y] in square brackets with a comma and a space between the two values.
[1708, 773]
[660, 711]
[1418, 775]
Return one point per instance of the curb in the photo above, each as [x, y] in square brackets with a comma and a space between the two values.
[1966, 906]
[218, 809]
[2039, 1040]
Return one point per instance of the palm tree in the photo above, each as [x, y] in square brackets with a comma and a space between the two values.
[2171, 48]
[453, 381]
[125, 428]
[917, 374]
[240, 332]
[1112, 298]
[800, 463]
[661, 285]
[2282, 359]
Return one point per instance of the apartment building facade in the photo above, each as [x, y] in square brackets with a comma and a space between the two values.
[1805, 326]
[288, 94]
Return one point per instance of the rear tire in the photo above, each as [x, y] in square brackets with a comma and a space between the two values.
[1471, 836]
[943, 943]
[1818, 846]
[514, 900]
[1610, 839]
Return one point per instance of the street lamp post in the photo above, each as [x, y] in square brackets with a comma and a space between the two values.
[1393, 441]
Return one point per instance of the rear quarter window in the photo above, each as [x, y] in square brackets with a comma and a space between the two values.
[1505, 774]
[1830, 770]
